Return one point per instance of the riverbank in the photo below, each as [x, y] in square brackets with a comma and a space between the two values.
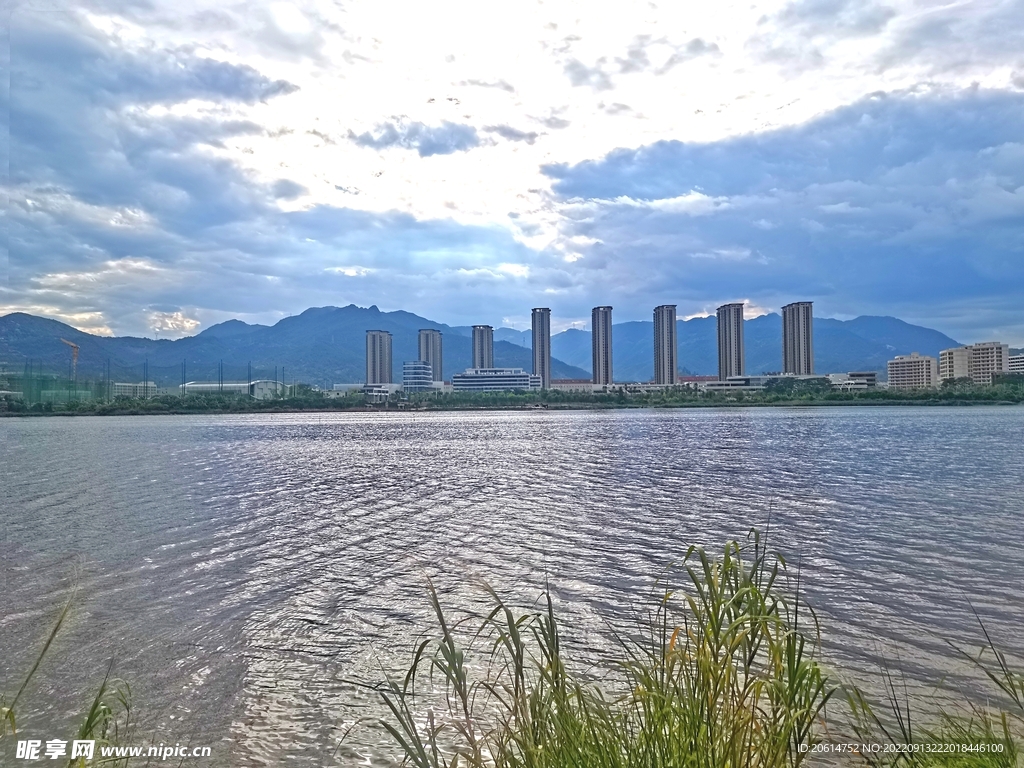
[513, 401]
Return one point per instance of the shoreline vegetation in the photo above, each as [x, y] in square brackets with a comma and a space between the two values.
[721, 668]
[304, 399]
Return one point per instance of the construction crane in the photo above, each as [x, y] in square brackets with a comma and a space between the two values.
[74, 359]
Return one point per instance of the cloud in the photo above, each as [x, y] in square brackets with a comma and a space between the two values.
[443, 139]
[512, 134]
[866, 210]
[580, 74]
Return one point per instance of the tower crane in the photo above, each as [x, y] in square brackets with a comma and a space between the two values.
[74, 359]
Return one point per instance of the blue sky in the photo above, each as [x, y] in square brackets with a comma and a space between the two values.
[173, 165]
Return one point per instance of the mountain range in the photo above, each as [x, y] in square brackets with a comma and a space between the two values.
[326, 345]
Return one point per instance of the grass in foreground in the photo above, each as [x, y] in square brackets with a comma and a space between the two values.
[723, 673]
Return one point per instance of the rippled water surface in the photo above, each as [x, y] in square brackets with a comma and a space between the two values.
[243, 570]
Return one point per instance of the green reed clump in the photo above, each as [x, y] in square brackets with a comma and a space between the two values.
[108, 720]
[970, 736]
[721, 673]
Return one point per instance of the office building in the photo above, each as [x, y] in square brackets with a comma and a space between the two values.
[1017, 363]
[430, 352]
[913, 371]
[378, 357]
[601, 342]
[797, 338]
[417, 376]
[494, 380]
[665, 348]
[542, 345]
[978, 362]
[483, 346]
[730, 341]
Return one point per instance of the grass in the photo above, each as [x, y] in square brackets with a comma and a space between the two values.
[721, 673]
[107, 721]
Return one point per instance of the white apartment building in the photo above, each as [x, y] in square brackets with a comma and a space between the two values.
[665, 345]
[978, 362]
[483, 346]
[731, 355]
[1017, 364]
[913, 371]
[601, 344]
[378, 357]
[798, 338]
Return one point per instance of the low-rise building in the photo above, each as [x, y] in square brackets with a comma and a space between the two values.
[854, 381]
[572, 385]
[913, 371]
[136, 390]
[261, 389]
[494, 380]
[380, 392]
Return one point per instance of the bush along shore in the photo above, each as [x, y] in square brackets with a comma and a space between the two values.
[304, 399]
[722, 670]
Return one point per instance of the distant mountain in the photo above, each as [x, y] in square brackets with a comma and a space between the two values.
[323, 345]
[326, 345]
[865, 343]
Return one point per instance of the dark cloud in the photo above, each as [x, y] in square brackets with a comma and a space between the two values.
[123, 211]
[443, 139]
[512, 134]
[286, 189]
[118, 77]
[901, 203]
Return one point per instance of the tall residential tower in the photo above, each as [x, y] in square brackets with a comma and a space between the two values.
[601, 339]
[798, 338]
[665, 349]
[378, 357]
[730, 341]
[483, 346]
[542, 345]
[430, 351]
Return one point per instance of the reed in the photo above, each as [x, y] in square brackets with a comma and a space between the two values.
[722, 673]
[108, 719]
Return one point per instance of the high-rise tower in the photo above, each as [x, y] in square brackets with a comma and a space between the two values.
[430, 351]
[378, 357]
[483, 346]
[665, 349]
[601, 333]
[730, 341]
[798, 338]
[542, 345]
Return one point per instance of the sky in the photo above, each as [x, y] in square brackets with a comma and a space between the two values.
[176, 164]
